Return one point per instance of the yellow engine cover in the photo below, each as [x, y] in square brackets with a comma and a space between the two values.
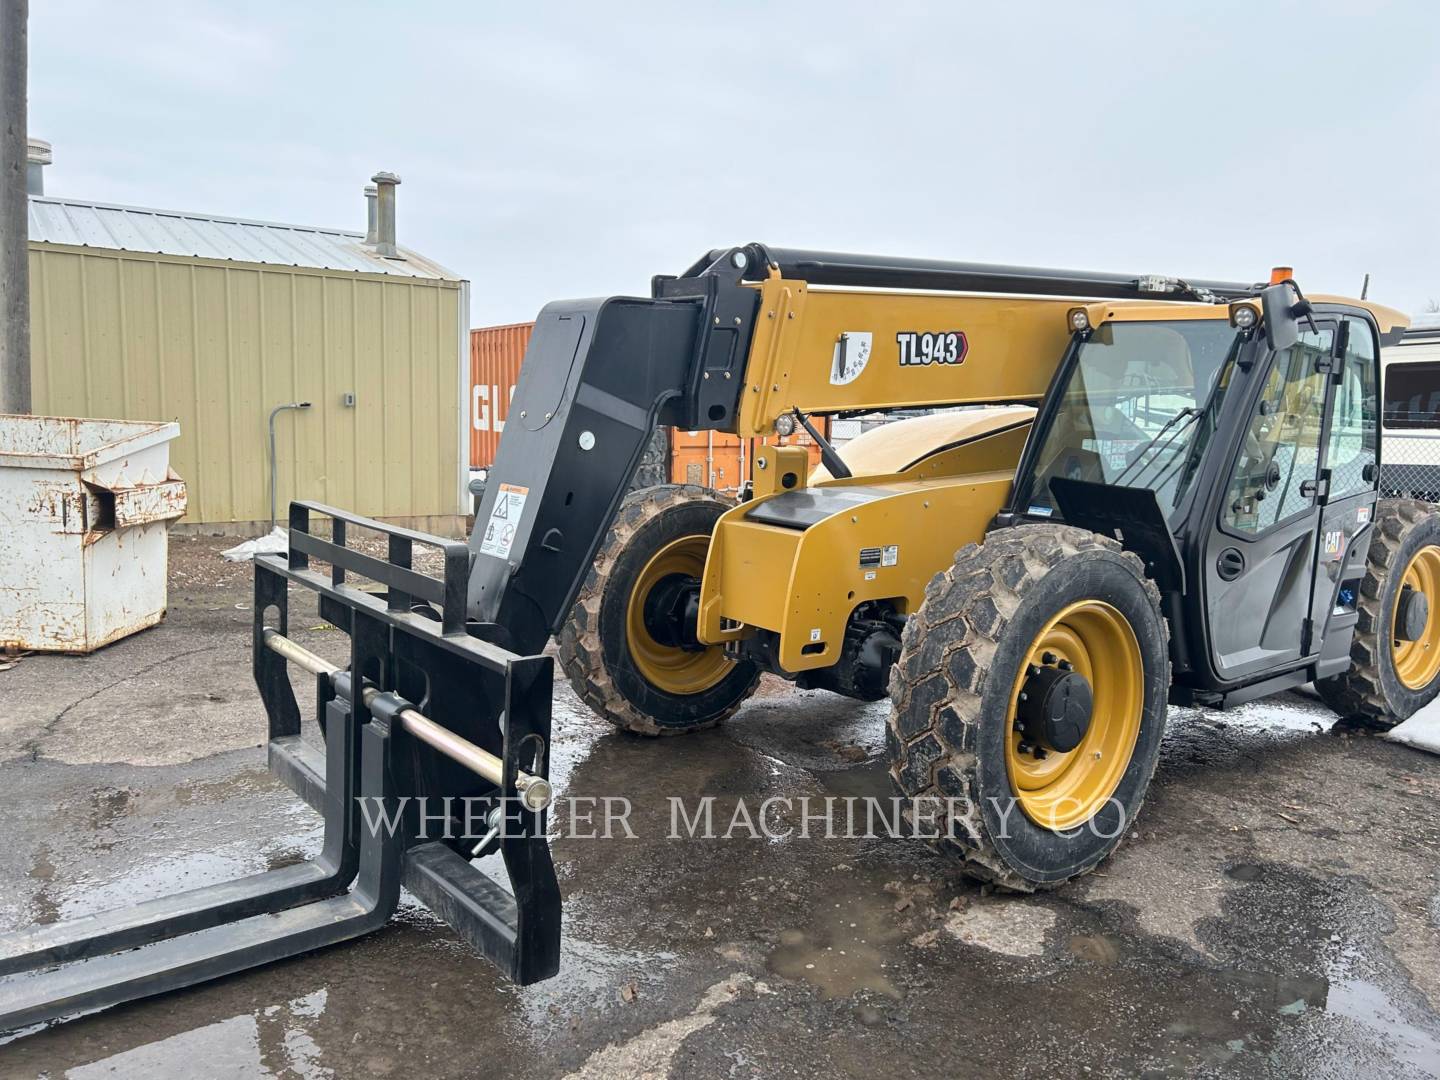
[798, 562]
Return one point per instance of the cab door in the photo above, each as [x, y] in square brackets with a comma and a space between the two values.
[1259, 559]
[1349, 482]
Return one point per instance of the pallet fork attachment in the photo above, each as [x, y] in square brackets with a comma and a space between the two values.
[433, 714]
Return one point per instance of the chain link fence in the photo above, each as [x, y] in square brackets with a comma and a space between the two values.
[1410, 464]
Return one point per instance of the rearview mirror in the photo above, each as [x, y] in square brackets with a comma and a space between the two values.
[1282, 328]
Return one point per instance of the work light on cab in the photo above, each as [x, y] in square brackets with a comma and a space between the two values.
[1243, 316]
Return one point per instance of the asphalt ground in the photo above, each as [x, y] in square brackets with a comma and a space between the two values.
[1275, 911]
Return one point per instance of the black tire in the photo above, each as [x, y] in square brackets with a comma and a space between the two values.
[951, 690]
[654, 467]
[1370, 692]
[593, 645]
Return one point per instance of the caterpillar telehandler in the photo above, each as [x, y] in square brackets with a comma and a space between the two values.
[1139, 490]
[1170, 494]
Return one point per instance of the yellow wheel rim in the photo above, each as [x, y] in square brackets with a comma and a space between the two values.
[1417, 662]
[668, 667]
[1062, 790]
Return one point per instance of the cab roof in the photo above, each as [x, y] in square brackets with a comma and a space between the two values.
[1388, 319]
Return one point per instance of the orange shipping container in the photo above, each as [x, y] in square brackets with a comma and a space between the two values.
[722, 461]
[495, 356]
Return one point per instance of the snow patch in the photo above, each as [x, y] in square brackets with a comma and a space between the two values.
[1421, 731]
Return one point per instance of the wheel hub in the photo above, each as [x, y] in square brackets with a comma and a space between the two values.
[660, 621]
[672, 612]
[1054, 709]
[1412, 612]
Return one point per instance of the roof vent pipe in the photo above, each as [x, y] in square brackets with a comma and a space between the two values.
[385, 184]
[371, 215]
[37, 156]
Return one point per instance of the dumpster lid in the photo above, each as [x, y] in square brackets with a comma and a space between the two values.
[69, 442]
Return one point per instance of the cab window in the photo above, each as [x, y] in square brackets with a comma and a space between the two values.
[1352, 443]
[1136, 409]
[1281, 448]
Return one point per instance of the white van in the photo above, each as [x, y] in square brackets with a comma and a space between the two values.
[1410, 420]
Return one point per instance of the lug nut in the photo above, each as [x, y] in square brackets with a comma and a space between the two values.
[1040, 754]
[1048, 658]
[1065, 665]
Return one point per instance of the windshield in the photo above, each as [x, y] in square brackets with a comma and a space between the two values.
[1136, 410]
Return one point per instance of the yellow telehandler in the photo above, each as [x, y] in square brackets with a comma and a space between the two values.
[1168, 494]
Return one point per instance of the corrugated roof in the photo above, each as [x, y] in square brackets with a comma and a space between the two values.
[205, 236]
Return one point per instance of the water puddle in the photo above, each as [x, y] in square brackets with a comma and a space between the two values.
[838, 962]
[813, 730]
[871, 780]
[108, 805]
[274, 1041]
[159, 877]
[251, 781]
[588, 971]
[1350, 1012]
[1099, 949]
[1371, 1007]
[850, 945]
[43, 871]
[574, 732]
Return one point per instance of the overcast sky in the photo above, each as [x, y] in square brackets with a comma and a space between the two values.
[551, 151]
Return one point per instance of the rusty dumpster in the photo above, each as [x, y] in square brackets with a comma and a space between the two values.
[85, 507]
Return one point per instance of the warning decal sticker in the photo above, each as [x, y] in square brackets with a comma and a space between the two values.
[852, 353]
[504, 520]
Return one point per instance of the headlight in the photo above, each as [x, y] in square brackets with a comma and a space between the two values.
[785, 424]
[1243, 316]
[1079, 320]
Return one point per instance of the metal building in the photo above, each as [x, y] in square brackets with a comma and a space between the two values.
[142, 314]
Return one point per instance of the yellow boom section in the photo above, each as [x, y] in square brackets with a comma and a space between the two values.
[828, 350]
[980, 349]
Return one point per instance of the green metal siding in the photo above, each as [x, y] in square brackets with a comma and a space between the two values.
[216, 345]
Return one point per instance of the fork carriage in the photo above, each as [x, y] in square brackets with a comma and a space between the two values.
[422, 711]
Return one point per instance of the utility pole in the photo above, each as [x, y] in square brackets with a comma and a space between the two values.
[14, 211]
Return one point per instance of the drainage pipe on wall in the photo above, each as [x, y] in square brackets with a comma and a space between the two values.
[273, 469]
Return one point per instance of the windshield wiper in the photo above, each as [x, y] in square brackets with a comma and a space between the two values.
[1195, 412]
[1186, 411]
[1209, 408]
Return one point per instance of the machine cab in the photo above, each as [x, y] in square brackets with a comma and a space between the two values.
[1241, 464]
